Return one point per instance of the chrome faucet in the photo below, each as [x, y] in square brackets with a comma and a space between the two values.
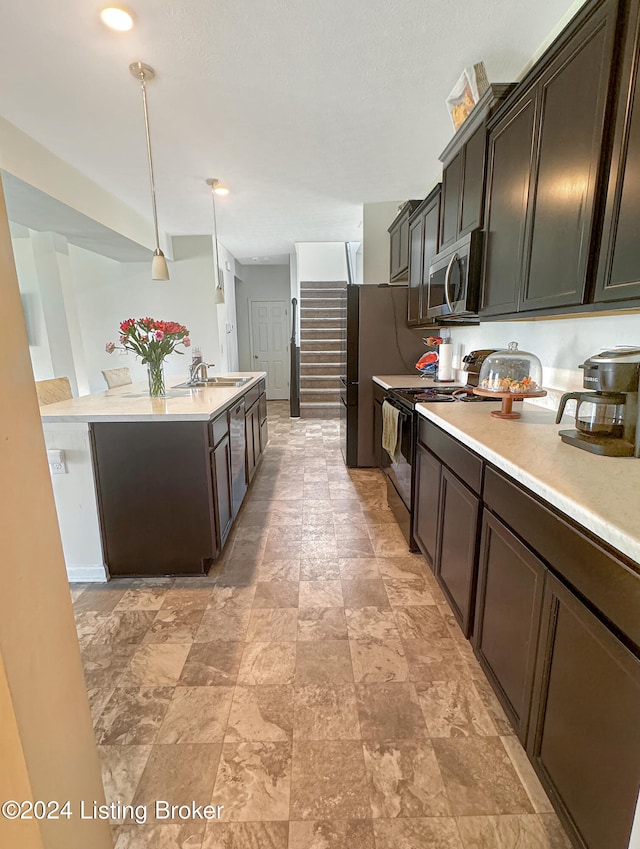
[198, 371]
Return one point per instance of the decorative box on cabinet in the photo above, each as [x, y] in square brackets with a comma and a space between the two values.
[463, 176]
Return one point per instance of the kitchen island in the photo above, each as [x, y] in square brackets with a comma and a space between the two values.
[150, 486]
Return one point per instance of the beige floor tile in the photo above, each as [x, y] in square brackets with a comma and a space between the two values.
[122, 768]
[466, 763]
[102, 599]
[129, 626]
[261, 714]
[325, 712]
[223, 624]
[408, 593]
[267, 663]
[319, 569]
[179, 774]
[321, 623]
[254, 781]
[181, 598]
[174, 625]
[431, 832]
[524, 831]
[421, 623]
[377, 661]
[279, 570]
[215, 663]
[329, 781]
[276, 594]
[339, 834]
[527, 775]
[405, 780]
[320, 594]
[196, 715]
[390, 711]
[133, 716]
[155, 836]
[103, 665]
[229, 598]
[273, 624]
[141, 599]
[357, 568]
[323, 662]
[155, 666]
[246, 835]
[454, 709]
[365, 592]
[372, 623]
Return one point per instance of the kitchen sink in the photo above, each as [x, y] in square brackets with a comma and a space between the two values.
[213, 381]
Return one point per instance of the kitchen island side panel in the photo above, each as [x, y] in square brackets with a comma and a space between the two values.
[155, 499]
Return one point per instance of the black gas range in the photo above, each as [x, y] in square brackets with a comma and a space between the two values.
[408, 398]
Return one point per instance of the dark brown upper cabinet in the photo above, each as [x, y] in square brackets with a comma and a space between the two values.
[424, 243]
[541, 224]
[463, 175]
[618, 275]
[399, 242]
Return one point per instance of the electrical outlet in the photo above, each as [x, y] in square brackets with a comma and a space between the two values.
[57, 464]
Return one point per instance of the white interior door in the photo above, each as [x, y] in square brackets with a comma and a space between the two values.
[270, 345]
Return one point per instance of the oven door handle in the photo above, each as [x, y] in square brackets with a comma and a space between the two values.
[404, 413]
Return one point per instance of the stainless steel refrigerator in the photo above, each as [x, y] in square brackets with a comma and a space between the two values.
[378, 342]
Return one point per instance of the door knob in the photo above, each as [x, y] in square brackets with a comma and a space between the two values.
[255, 356]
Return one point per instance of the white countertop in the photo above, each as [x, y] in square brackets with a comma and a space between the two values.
[600, 493]
[132, 403]
[409, 381]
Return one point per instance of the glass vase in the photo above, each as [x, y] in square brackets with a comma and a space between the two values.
[155, 373]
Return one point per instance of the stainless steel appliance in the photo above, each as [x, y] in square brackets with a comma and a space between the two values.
[237, 442]
[454, 279]
[378, 342]
[606, 419]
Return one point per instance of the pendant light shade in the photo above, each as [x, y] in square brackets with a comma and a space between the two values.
[144, 73]
[216, 185]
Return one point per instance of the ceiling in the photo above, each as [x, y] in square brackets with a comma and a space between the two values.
[306, 109]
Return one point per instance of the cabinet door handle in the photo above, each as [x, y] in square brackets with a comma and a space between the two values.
[447, 280]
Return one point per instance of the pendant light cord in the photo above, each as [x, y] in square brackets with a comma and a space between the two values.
[151, 180]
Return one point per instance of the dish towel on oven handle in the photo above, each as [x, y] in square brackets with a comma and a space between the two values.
[391, 430]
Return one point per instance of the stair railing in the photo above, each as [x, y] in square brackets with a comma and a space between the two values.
[294, 349]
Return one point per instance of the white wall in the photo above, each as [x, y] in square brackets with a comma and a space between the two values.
[376, 218]
[108, 292]
[258, 283]
[227, 324]
[321, 261]
[39, 347]
[560, 344]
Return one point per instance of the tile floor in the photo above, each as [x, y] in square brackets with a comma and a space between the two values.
[315, 683]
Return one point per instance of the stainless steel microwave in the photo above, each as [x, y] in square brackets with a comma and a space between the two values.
[454, 279]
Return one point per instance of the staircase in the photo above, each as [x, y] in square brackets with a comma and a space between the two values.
[323, 331]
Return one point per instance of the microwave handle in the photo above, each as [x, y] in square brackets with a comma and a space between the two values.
[447, 280]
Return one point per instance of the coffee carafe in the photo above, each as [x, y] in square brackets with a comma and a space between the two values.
[606, 418]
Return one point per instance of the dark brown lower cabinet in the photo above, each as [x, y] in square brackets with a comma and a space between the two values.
[426, 501]
[585, 737]
[507, 620]
[252, 433]
[456, 550]
[221, 477]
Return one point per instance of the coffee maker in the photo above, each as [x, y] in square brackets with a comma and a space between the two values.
[606, 418]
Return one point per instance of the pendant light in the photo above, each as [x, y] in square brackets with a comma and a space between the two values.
[217, 187]
[144, 73]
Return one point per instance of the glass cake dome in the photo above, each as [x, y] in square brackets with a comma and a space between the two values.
[511, 370]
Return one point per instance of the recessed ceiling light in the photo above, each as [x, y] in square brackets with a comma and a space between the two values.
[117, 18]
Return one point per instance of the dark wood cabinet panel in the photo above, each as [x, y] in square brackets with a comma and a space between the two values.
[585, 743]
[509, 166]
[473, 178]
[451, 187]
[399, 242]
[572, 95]
[507, 621]
[619, 266]
[431, 246]
[221, 471]
[427, 500]
[459, 513]
[252, 434]
[416, 238]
